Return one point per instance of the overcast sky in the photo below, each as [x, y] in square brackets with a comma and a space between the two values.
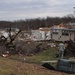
[25, 9]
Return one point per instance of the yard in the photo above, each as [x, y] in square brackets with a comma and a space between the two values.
[29, 65]
[49, 54]
[13, 67]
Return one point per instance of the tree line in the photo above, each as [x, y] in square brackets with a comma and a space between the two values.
[36, 23]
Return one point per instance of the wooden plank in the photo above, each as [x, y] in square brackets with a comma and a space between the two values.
[51, 61]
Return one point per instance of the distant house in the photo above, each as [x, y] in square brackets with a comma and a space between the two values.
[36, 35]
[62, 32]
[41, 34]
[24, 36]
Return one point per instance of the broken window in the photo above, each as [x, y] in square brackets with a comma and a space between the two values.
[65, 33]
[55, 31]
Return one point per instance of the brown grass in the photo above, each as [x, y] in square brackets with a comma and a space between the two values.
[13, 67]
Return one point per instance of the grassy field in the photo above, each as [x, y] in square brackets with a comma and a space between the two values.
[49, 54]
[13, 65]
[46, 55]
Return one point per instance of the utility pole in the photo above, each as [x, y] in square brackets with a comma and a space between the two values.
[74, 11]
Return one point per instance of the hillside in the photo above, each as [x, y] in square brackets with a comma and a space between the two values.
[13, 67]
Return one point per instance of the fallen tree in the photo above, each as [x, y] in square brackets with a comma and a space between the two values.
[31, 48]
[70, 49]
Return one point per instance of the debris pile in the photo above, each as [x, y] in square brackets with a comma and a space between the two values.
[70, 49]
[31, 48]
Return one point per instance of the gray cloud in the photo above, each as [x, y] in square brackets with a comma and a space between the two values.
[22, 9]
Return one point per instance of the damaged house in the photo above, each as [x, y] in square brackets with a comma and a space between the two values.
[24, 36]
[41, 34]
[62, 32]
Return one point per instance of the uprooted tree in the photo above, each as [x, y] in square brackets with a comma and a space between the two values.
[6, 44]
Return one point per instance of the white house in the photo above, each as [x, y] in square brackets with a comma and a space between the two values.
[41, 34]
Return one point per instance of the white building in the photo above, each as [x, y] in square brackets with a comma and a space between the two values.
[41, 34]
[36, 35]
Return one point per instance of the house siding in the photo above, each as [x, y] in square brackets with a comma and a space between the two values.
[60, 37]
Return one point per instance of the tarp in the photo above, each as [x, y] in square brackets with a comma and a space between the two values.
[48, 66]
